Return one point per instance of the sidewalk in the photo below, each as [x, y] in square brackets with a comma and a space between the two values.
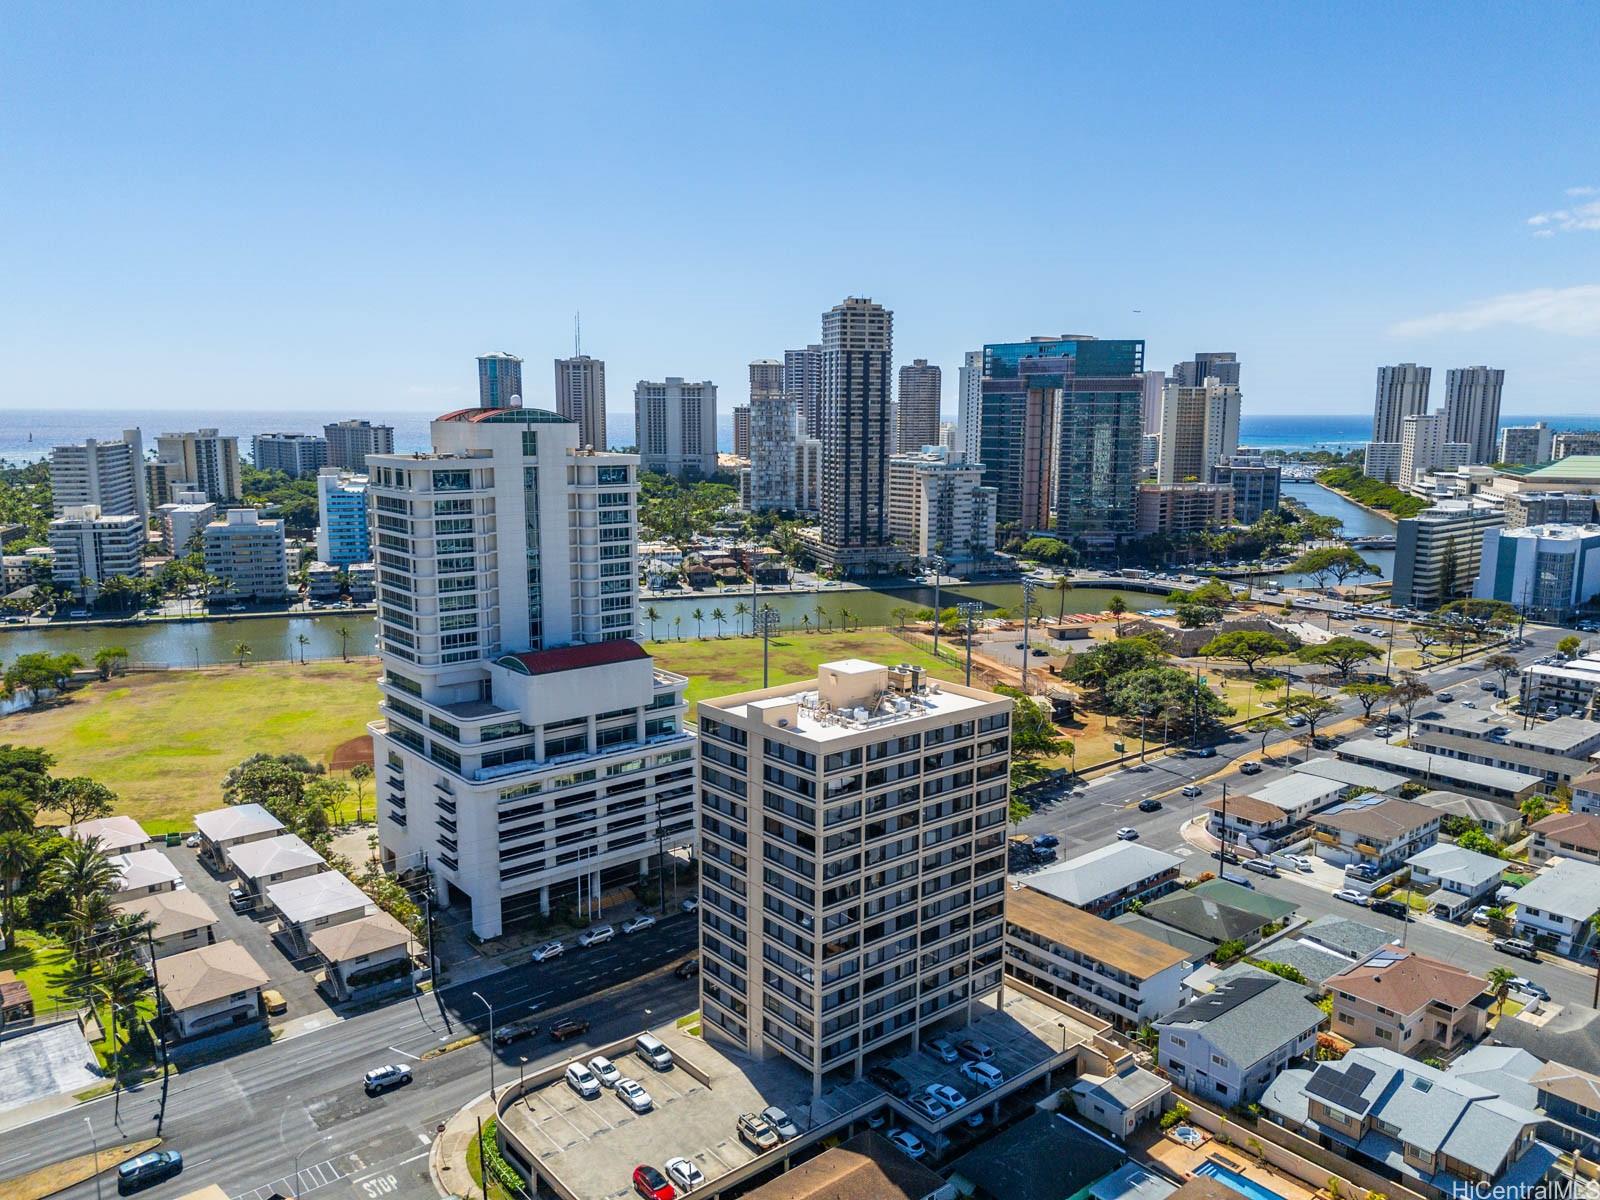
[447, 1158]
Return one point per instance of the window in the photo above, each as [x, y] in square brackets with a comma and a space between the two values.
[452, 481]
[530, 443]
[613, 475]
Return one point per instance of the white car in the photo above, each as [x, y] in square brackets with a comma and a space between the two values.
[907, 1143]
[684, 1174]
[1127, 834]
[192, 841]
[1351, 896]
[982, 1074]
[688, 906]
[547, 951]
[605, 1071]
[1192, 791]
[1298, 861]
[945, 1095]
[581, 1080]
[633, 1095]
[598, 936]
[638, 924]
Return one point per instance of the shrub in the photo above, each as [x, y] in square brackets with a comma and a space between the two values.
[1176, 1115]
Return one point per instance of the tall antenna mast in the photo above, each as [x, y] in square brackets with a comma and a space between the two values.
[577, 335]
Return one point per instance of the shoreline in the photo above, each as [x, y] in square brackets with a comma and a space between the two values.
[1366, 508]
[137, 622]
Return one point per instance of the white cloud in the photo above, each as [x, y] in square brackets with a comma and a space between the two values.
[1573, 311]
[1583, 191]
[1577, 218]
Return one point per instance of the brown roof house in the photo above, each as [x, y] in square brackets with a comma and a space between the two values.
[1566, 835]
[1402, 1001]
[116, 835]
[179, 920]
[364, 956]
[867, 1167]
[211, 989]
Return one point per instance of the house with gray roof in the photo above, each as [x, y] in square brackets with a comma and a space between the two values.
[1228, 1044]
[1497, 820]
[1416, 1125]
[1464, 878]
[1352, 776]
[1107, 879]
[1435, 770]
[1205, 917]
[1347, 937]
[1554, 910]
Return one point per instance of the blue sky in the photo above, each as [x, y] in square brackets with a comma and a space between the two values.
[298, 207]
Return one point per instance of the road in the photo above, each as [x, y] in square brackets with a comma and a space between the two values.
[1090, 815]
[241, 1122]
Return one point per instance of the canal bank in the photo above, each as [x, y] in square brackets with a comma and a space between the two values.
[1357, 522]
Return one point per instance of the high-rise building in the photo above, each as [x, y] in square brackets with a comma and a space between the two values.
[808, 476]
[939, 505]
[1149, 455]
[918, 419]
[741, 431]
[1425, 446]
[1155, 385]
[1573, 442]
[773, 438]
[89, 547]
[343, 520]
[1257, 486]
[1472, 409]
[969, 414]
[1436, 552]
[108, 475]
[247, 556]
[581, 397]
[854, 910]
[802, 383]
[529, 753]
[1223, 366]
[1548, 571]
[499, 380]
[1551, 508]
[857, 355]
[1184, 507]
[183, 519]
[950, 439]
[1018, 409]
[206, 459]
[1526, 445]
[766, 378]
[1402, 392]
[676, 427]
[1199, 428]
[1381, 461]
[295, 454]
[349, 443]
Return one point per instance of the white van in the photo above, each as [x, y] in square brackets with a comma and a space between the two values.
[653, 1051]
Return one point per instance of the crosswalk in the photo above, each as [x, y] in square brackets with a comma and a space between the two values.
[308, 1180]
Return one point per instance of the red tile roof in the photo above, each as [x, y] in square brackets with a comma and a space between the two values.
[574, 658]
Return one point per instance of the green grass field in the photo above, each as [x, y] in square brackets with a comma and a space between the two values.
[36, 958]
[163, 742]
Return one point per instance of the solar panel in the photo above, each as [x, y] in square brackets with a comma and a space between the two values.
[1342, 1089]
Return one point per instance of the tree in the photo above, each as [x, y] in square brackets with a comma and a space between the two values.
[279, 784]
[26, 769]
[720, 618]
[303, 641]
[111, 660]
[1570, 645]
[1048, 550]
[1032, 733]
[1312, 708]
[1478, 841]
[1117, 607]
[1340, 562]
[344, 633]
[653, 614]
[1425, 638]
[1341, 653]
[1534, 809]
[1061, 587]
[1503, 665]
[740, 611]
[325, 797]
[1265, 726]
[1193, 707]
[1368, 694]
[1245, 646]
[40, 672]
[242, 651]
[81, 799]
[1228, 951]
[80, 869]
[1500, 986]
[1478, 615]
[360, 776]
[699, 616]
[1096, 669]
[1197, 616]
[1411, 691]
[17, 811]
[18, 853]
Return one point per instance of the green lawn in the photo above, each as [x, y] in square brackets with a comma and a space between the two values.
[35, 958]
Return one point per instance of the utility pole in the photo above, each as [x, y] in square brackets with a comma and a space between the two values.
[1194, 732]
[1222, 834]
[661, 862]
[767, 622]
[95, 1142]
[1027, 604]
[969, 609]
[161, 1029]
[479, 997]
[938, 564]
[483, 1167]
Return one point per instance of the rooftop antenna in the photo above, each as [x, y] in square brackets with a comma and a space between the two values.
[577, 335]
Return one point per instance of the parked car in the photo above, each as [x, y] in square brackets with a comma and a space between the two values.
[688, 968]
[1261, 866]
[545, 951]
[756, 1133]
[890, 1080]
[780, 1122]
[1480, 915]
[568, 1027]
[598, 936]
[631, 1093]
[928, 1107]
[685, 1174]
[907, 1143]
[945, 1095]
[638, 924]
[1300, 862]
[272, 1000]
[192, 841]
[240, 900]
[581, 1080]
[654, 1051]
[1518, 947]
[147, 1169]
[1391, 908]
[381, 1079]
[1127, 834]
[1382, 731]
[1149, 804]
[1445, 697]
[1249, 767]
[983, 1074]
[688, 906]
[605, 1071]
[942, 1049]
[1351, 896]
[974, 1050]
[513, 1031]
[652, 1184]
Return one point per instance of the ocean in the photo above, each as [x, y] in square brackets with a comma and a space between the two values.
[27, 434]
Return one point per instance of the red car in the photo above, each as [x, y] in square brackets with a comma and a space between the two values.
[652, 1184]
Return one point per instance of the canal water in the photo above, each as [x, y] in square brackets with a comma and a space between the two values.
[196, 643]
[1358, 522]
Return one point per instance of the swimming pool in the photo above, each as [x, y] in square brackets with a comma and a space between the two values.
[1248, 1188]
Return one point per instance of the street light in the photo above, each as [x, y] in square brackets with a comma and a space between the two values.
[490, 1007]
[95, 1142]
[1028, 586]
[766, 621]
[327, 1137]
[969, 610]
[936, 564]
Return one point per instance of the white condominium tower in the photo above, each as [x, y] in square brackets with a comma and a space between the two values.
[204, 458]
[675, 426]
[917, 422]
[108, 475]
[1199, 428]
[528, 752]
[853, 862]
[1402, 393]
[1472, 409]
[349, 443]
[581, 397]
[1425, 445]
[802, 383]
[969, 411]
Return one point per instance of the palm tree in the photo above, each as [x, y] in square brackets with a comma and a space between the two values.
[303, 641]
[80, 869]
[242, 651]
[87, 915]
[677, 628]
[122, 984]
[740, 611]
[16, 811]
[699, 617]
[805, 621]
[720, 618]
[822, 616]
[17, 856]
[344, 642]
[1117, 607]
[359, 775]
[1500, 986]
[845, 617]
[1061, 586]
[652, 614]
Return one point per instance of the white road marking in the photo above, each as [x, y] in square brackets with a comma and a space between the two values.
[404, 1053]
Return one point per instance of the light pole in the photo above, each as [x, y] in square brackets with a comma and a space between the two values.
[767, 623]
[327, 1137]
[490, 1007]
[95, 1142]
[969, 609]
[937, 564]
[1027, 604]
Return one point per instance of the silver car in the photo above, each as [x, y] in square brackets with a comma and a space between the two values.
[633, 1095]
